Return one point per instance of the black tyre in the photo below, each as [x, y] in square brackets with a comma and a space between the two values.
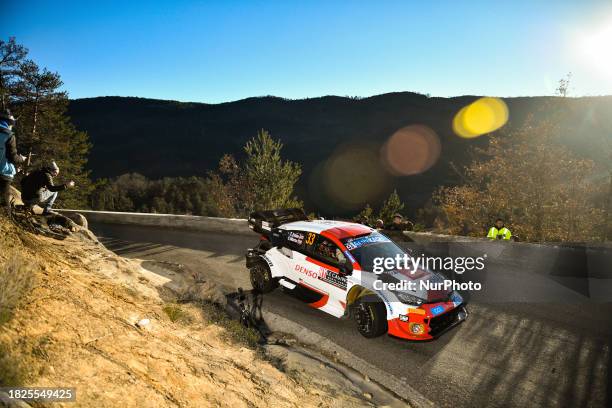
[261, 278]
[370, 314]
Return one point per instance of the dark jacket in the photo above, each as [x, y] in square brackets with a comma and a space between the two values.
[11, 149]
[33, 183]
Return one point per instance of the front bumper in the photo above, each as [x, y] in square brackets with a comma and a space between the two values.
[433, 326]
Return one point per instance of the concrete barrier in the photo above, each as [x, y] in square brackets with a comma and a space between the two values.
[554, 272]
[189, 222]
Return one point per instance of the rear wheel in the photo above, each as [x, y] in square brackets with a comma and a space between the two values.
[371, 316]
[261, 278]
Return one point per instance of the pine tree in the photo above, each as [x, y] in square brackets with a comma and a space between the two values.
[392, 206]
[270, 179]
[11, 55]
[45, 132]
[365, 216]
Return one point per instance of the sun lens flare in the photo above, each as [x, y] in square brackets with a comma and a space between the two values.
[596, 49]
[411, 150]
[482, 116]
[351, 177]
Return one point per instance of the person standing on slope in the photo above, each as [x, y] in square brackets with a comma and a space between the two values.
[8, 157]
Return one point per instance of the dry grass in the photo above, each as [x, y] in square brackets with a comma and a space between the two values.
[16, 280]
[13, 371]
[17, 276]
[77, 323]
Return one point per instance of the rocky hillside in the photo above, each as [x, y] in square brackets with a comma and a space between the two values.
[124, 336]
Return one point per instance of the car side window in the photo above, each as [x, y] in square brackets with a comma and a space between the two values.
[328, 251]
[301, 241]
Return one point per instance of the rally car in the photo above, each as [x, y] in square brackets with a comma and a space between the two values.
[329, 265]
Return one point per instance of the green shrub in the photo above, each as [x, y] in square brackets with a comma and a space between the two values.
[418, 227]
[176, 314]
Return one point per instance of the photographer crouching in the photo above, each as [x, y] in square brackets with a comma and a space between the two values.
[37, 188]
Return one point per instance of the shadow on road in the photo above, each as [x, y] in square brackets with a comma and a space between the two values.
[136, 240]
[540, 363]
[505, 354]
[127, 248]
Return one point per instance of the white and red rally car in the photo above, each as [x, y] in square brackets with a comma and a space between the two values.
[329, 265]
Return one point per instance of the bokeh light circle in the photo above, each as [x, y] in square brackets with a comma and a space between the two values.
[411, 150]
[351, 177]
[482, 116]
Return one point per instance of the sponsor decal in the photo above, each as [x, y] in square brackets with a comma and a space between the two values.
[349, 256]
[456, 299]
[265, 225]
[437, 310]
[333, 278]
[385, 300]
[324, 275]
[268, 260]
[369, 239]
[308, 272]
[296, 238]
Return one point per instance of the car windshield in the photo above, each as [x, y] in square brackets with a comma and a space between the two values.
[375, 245]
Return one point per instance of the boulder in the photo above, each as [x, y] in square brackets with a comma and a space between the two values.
[78, 218]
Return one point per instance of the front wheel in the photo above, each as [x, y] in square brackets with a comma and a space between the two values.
[371, 317]
[261, 278]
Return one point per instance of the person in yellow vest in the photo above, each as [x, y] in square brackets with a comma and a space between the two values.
[499, 231]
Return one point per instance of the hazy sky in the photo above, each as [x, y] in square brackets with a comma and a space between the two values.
[215, 51]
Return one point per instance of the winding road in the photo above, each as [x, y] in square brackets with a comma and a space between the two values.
[504, 355]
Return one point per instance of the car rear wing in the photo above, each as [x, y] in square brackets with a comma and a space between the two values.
[264, 221]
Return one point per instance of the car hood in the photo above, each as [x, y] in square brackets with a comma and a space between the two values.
[419, 277]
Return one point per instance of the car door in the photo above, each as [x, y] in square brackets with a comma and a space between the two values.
[292, 247]
[320, 270]
[301, 244]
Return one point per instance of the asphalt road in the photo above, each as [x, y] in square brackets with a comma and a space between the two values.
[505, 354]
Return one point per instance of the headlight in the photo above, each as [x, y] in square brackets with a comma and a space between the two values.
[409, 299]
[416, 328]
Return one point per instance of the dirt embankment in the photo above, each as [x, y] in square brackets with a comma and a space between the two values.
[77, 325]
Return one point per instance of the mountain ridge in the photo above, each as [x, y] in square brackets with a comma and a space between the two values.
[160, 138]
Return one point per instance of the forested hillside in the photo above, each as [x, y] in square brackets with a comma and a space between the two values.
[167, 138]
